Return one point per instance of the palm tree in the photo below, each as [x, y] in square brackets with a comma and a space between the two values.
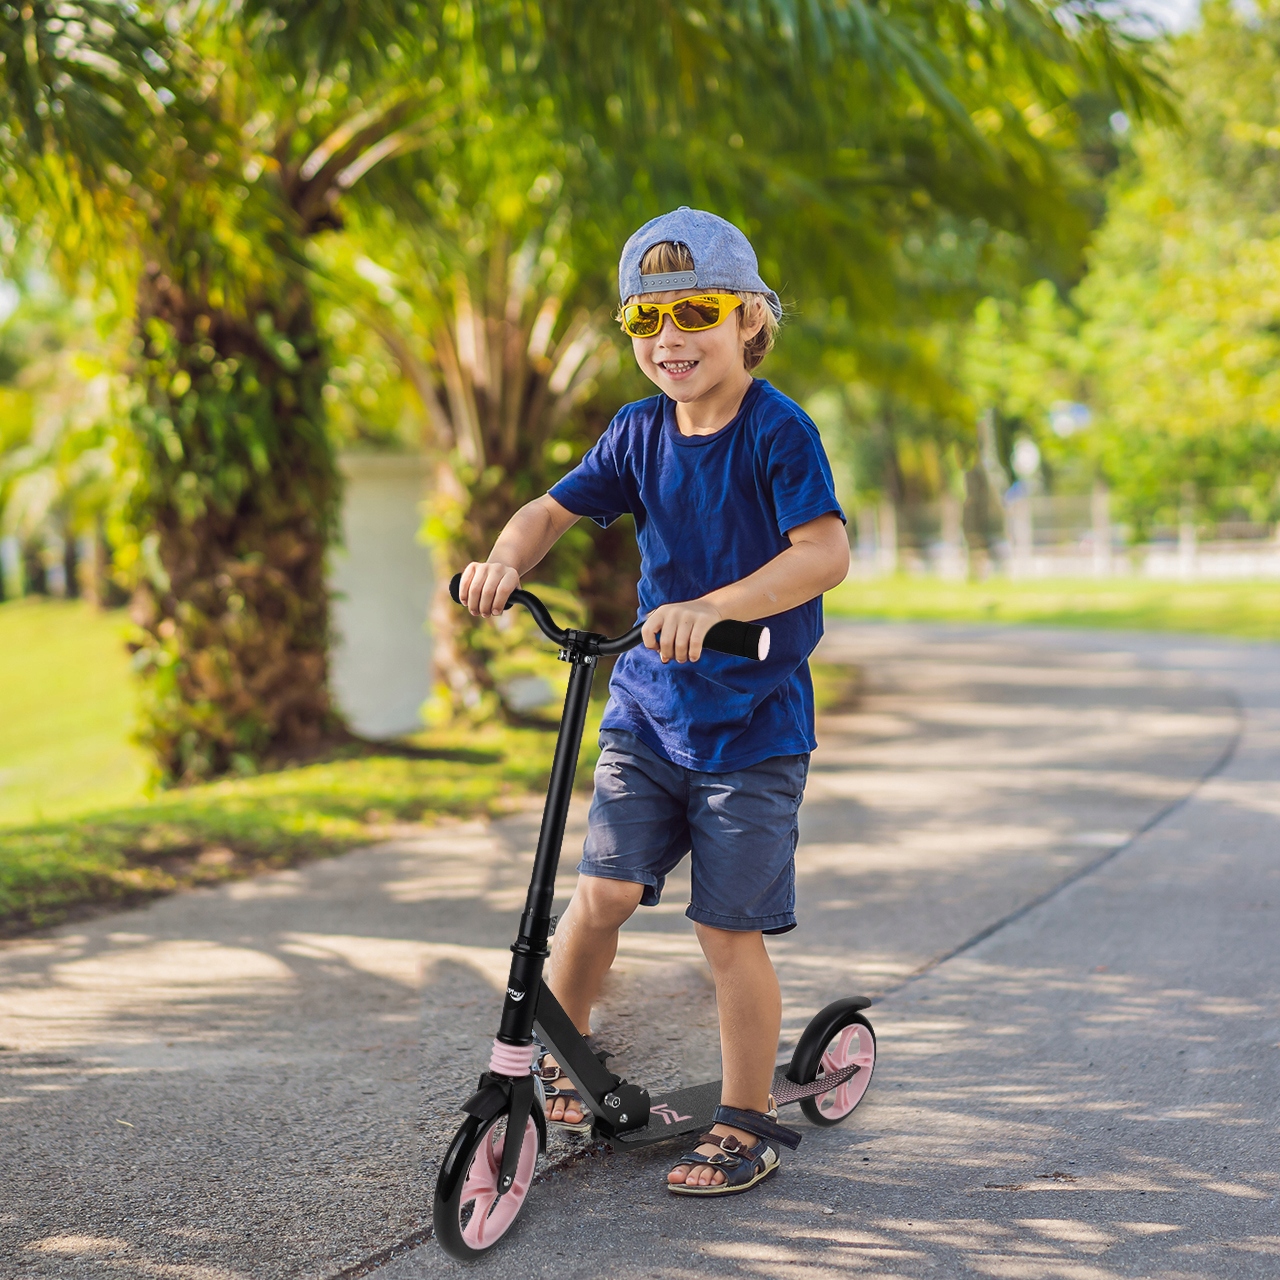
[208, 166]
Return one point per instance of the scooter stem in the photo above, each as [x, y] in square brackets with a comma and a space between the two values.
[530, 950]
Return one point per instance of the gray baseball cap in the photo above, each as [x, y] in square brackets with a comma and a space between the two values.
[722, 257]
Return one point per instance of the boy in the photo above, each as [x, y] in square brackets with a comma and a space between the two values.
[736, 517]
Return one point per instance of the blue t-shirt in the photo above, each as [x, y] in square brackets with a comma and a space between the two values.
[709, 510]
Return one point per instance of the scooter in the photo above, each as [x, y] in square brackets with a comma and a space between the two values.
[489, 1168]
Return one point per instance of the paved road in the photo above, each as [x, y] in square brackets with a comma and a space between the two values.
[257, 1081]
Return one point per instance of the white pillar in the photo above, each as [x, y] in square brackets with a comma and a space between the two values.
[868, 543]
[1022, 534]
[953, 563]
[1187, 536]
[380, 663]
[11, 566]
[1186, 549]
[55, 566]
[1100, 511]
[887, 536]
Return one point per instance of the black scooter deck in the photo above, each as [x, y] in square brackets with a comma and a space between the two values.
[673, 1115]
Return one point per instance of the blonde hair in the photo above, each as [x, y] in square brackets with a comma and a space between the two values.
[670, 255]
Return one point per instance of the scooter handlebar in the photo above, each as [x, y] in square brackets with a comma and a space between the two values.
[738, 639]
[541, 615]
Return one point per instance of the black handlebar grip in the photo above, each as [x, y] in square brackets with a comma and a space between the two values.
[455, 588]
[738, 639]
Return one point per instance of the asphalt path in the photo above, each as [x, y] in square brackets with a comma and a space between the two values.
[1052, 857]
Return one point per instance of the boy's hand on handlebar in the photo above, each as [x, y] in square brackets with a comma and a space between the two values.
[486, 588]
[677, 630]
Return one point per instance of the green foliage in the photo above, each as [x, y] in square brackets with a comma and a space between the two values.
[236, 493]
[59, 456]
[1024, 362]
[1181, 299]
[483, 162]
[82, 87]
[1172, 338]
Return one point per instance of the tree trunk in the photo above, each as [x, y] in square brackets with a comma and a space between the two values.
[35, 581]
[236, 504]
[71, 565]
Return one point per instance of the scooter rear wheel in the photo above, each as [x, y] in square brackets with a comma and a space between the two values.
[469, 1215]
[852, 1040]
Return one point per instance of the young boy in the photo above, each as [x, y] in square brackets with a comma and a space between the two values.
[736, 517]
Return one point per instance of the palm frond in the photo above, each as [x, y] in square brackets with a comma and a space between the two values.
[86, 79]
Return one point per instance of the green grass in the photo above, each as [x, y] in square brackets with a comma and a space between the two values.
[77, 829]
[66, 709]
[1250, 610]
[233, 828]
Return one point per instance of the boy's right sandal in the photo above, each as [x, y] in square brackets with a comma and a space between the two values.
[742, 1166]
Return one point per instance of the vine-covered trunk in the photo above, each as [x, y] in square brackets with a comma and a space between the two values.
[235, 505]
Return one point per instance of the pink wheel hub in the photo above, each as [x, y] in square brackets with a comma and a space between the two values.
[492, 1214]
[855, 1045]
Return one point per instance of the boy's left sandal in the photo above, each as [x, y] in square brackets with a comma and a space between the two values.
[741, 1166]
[550, 1077]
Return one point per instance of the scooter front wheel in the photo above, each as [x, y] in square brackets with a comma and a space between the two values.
[470, 1216]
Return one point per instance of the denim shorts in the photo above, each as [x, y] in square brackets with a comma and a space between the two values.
[741, 827]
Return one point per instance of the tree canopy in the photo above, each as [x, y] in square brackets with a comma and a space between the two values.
[458, 177]
[1172, 338]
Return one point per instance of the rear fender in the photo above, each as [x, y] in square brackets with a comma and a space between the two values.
[822, 1026]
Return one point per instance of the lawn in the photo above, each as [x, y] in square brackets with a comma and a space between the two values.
[233, 828]
[67, 709]
[1250, 610]
[76, 825]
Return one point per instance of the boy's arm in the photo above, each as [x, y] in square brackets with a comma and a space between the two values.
[816, 561]
[529, 535]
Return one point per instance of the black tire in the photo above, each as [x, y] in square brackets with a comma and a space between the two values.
[458, 1198]
[807, 1065]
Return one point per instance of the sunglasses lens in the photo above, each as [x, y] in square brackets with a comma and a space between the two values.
[693, 314]
[641, 321]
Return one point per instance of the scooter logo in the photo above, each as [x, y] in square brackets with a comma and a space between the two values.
[516, 994]
[669, 1114]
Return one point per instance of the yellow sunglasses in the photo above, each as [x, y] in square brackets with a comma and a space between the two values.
[691, 315]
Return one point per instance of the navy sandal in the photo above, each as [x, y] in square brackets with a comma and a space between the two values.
[741, 1165]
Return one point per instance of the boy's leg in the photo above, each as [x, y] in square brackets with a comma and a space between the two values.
[750, 1005]
[636, 832]
[744, 831]
[586, 942]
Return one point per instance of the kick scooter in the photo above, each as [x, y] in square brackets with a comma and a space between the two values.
[489, 1167]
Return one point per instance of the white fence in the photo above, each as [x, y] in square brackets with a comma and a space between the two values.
[1057, 536]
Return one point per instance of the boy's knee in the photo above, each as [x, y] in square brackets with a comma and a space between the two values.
[607, 903]
[727, 945]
